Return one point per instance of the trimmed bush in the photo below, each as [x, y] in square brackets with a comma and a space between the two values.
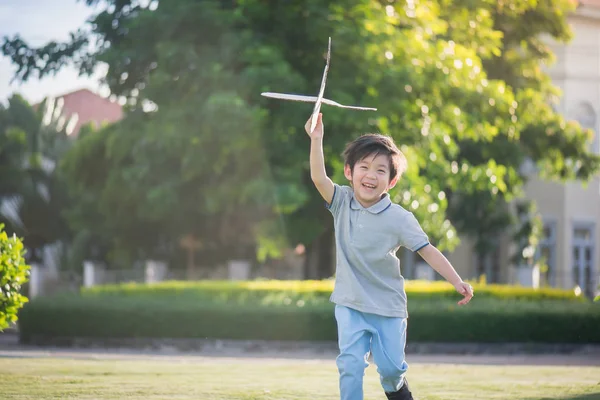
[298, 311]
[13, 274]
[273, 291]
[68, 318]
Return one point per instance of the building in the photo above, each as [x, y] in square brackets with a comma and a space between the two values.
[570, 212]
[84, 106]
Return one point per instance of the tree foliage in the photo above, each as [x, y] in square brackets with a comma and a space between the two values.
[458, 83]
[13, 274]
[542, 136]
[32, 190]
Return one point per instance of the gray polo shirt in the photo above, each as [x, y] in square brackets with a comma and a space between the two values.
[368, 276]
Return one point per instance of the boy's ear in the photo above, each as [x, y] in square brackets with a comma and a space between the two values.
[393, 183]
[348, 172]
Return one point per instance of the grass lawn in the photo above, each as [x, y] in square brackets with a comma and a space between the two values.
[172, 378]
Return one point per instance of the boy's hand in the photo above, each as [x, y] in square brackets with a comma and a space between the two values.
[466, 290]
[318, 132]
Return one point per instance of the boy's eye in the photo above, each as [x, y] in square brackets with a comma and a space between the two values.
[381, 171]
[363, 167]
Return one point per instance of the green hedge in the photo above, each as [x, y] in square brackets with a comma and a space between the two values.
[74, 316]
[178, 310]
[273, 291]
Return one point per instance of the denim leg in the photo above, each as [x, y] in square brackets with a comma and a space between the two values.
[389, 341]
[354, 341]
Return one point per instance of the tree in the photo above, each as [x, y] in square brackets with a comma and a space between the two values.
[194, 167]
[142, 186]
[525, 29]
[32, 190]
[427, 66]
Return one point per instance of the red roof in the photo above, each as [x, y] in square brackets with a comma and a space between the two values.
[89, 107]
[591, 3]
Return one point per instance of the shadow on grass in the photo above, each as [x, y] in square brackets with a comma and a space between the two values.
[591, 396]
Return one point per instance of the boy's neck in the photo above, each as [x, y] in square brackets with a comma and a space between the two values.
[372, 204]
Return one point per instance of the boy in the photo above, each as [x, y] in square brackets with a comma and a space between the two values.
[369, 296]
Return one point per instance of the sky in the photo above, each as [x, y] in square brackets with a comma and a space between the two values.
[40, 21]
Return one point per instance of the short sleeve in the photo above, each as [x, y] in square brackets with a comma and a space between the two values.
[341, 195]
[411, 234]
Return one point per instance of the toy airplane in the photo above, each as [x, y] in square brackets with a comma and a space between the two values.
[317, 100]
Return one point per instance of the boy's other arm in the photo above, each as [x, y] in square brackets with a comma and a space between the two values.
[317, 161]
[440, 263]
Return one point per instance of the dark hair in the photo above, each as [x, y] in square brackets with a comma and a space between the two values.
[375, 144]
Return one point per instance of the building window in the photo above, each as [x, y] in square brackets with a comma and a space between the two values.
[546, 253]
[584, 273]
[586, 116]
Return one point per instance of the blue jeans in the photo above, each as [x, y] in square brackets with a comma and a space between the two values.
[361, 333]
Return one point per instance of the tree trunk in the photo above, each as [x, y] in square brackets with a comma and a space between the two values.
[488, 264]
[480, 267]
[319, 261]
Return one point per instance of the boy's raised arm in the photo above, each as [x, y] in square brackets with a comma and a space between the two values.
[317, 162]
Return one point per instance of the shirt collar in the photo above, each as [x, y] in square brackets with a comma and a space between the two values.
[376, 208]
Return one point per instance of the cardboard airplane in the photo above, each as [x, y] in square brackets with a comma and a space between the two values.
[317, 100]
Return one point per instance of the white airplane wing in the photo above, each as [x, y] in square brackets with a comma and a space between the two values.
[293, 97]
[312, 99]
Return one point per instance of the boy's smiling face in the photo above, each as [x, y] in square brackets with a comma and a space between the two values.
[370, 178]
